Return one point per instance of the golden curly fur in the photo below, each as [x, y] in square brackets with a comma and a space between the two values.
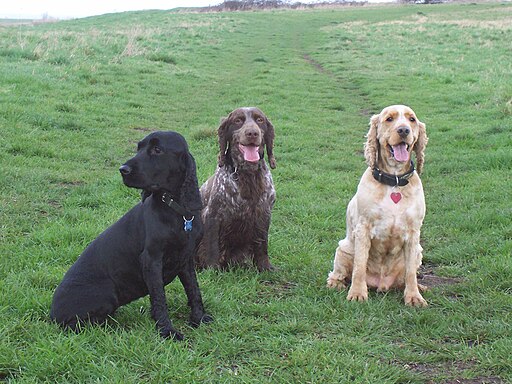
[381, 248]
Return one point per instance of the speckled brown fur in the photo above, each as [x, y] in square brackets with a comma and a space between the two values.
[239, 197]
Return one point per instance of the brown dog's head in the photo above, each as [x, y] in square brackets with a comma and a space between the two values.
[394, 133]
[243, 136]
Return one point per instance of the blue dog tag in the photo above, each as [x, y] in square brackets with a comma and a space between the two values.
[187, 224]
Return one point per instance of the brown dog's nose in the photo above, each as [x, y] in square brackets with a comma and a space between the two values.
[252, 133]
[125, 169]
[403, 131]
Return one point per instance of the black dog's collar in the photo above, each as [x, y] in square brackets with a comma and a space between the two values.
[393, 180]
[169, 201]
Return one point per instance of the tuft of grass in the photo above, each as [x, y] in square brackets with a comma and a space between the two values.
[74, 94]
[162, 57]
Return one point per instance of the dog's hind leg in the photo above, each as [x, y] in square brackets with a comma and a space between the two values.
[339, 277]
[75, 305]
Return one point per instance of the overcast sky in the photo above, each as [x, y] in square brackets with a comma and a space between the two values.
[66, 9]
[35, 9]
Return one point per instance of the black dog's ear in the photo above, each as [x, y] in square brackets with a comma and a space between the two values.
[189, 195]
[269, 143]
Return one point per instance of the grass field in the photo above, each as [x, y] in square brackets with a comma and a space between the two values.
[75, 97]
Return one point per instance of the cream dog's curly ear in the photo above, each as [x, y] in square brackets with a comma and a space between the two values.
[371, 146]
[419, 147]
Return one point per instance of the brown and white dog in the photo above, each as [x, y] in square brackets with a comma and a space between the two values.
[239, 197]
[382, 244]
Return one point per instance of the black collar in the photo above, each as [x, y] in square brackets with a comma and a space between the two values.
[169, 201]
[393, 180]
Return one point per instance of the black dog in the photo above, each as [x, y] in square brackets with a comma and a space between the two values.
[147, 248]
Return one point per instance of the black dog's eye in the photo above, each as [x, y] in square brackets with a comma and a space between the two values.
[412, 119]
[390, 118]
[156, 150]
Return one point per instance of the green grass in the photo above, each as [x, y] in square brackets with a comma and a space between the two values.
[76, 96]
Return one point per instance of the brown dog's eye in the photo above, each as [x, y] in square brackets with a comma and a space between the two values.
[412, 119]
[259, 120]
[238, 121]
[390, 118]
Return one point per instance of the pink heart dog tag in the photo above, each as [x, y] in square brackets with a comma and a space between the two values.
[396, 197]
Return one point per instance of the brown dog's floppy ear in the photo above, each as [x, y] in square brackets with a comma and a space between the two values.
[223, 140]
[419, 147]
[269, 143]
[371, 146]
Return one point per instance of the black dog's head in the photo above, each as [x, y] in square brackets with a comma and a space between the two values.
[164, 163]
[243, 135]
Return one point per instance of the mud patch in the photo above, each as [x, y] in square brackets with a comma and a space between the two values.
[271, 291]
[450, 373]
[427, 276]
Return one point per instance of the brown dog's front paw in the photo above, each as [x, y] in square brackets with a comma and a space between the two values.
[357, 294]
[264, 265]
[415, 300]
[269, 267]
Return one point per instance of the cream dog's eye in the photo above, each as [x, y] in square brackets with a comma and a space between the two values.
[390, 118]
[412, 119]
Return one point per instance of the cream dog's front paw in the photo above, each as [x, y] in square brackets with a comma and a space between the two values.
[359, 293]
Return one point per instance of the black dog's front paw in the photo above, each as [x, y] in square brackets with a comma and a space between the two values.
[171, 333]
[195, 321]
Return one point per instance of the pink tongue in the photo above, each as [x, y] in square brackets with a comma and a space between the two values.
[250, 153]
[400, 152]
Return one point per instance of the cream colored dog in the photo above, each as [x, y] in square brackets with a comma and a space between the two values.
[382, 244]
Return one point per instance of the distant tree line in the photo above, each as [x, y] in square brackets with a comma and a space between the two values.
[242, 5]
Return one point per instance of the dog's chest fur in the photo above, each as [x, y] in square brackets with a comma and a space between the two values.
[241, 207]
[230, 200]
[393, 223]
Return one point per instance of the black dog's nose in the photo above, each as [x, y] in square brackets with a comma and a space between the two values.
[403, 131]
[125, 169]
